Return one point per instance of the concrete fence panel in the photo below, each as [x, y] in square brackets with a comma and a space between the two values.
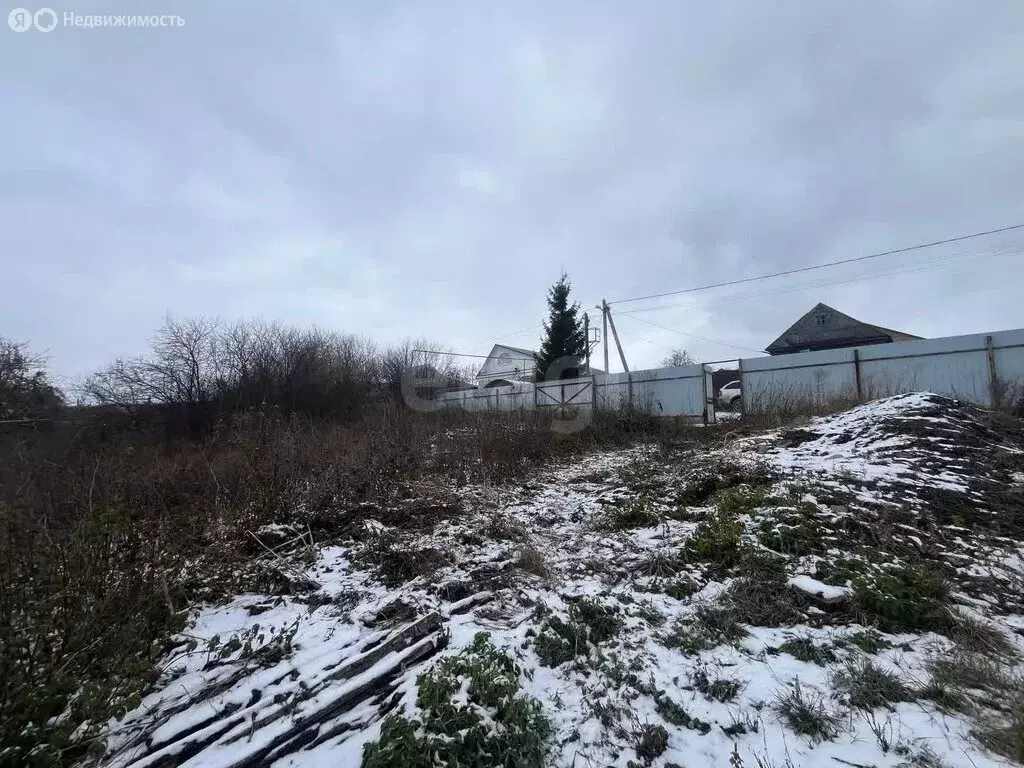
[789, 382]
[956, 366]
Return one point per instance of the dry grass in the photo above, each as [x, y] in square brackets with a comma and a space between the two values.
[109, 530]
[531, 560]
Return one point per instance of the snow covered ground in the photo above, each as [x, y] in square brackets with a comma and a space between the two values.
[722, 591]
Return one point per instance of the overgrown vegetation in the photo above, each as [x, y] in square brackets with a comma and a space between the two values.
[115, 521]
[472, 713]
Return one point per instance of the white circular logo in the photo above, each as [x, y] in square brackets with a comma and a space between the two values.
[45, 19]
[20, 20]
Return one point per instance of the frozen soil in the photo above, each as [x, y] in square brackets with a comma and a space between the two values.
[848, 592]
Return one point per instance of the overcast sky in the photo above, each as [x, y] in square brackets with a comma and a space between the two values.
[428, 168]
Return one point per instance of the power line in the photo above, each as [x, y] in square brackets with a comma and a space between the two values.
[828, 283]
[823, 265]
[694, 335]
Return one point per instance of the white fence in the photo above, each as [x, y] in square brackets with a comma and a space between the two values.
[665, 391]
[979, 368]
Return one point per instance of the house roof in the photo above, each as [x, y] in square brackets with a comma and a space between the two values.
[529, 352]
[858, 330]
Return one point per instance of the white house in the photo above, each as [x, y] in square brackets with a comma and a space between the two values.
[506, 364]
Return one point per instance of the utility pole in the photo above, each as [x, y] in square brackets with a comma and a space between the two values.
[586, 339]
[604, 335]
[615, 333]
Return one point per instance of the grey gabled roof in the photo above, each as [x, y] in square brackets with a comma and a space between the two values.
[867, 330]
[529, 352]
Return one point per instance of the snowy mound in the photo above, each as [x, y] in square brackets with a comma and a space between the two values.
[920, 439]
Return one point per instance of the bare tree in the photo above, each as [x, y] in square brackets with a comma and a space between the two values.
[417, 368]
[249, 364]
[677, 357]
[181, 369]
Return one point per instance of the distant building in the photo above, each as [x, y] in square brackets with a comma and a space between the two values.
[827, 328]
[506, 364]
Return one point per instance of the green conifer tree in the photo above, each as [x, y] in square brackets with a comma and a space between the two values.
[563, 333]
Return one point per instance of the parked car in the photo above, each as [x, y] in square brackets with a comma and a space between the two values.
[730, 396]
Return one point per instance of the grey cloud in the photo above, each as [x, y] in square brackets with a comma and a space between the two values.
[410, 169]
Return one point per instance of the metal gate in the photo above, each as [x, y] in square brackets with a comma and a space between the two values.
[577, 392]
[709, 396]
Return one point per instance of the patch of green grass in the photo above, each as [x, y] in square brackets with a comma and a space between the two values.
[721, 689]
[843, 570]
[559, 642]
[603, 621]
[630, 514]
[868, 686]
[807, 714]
[651, 615]
[705, 483]
[805, 649]
[716, 540]
[590, 623]
[741, 499]
[709, 628]
[793, 531]
[676, 714]
[906, 598]
[681, 589]
[869, 641]
[473, 713]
